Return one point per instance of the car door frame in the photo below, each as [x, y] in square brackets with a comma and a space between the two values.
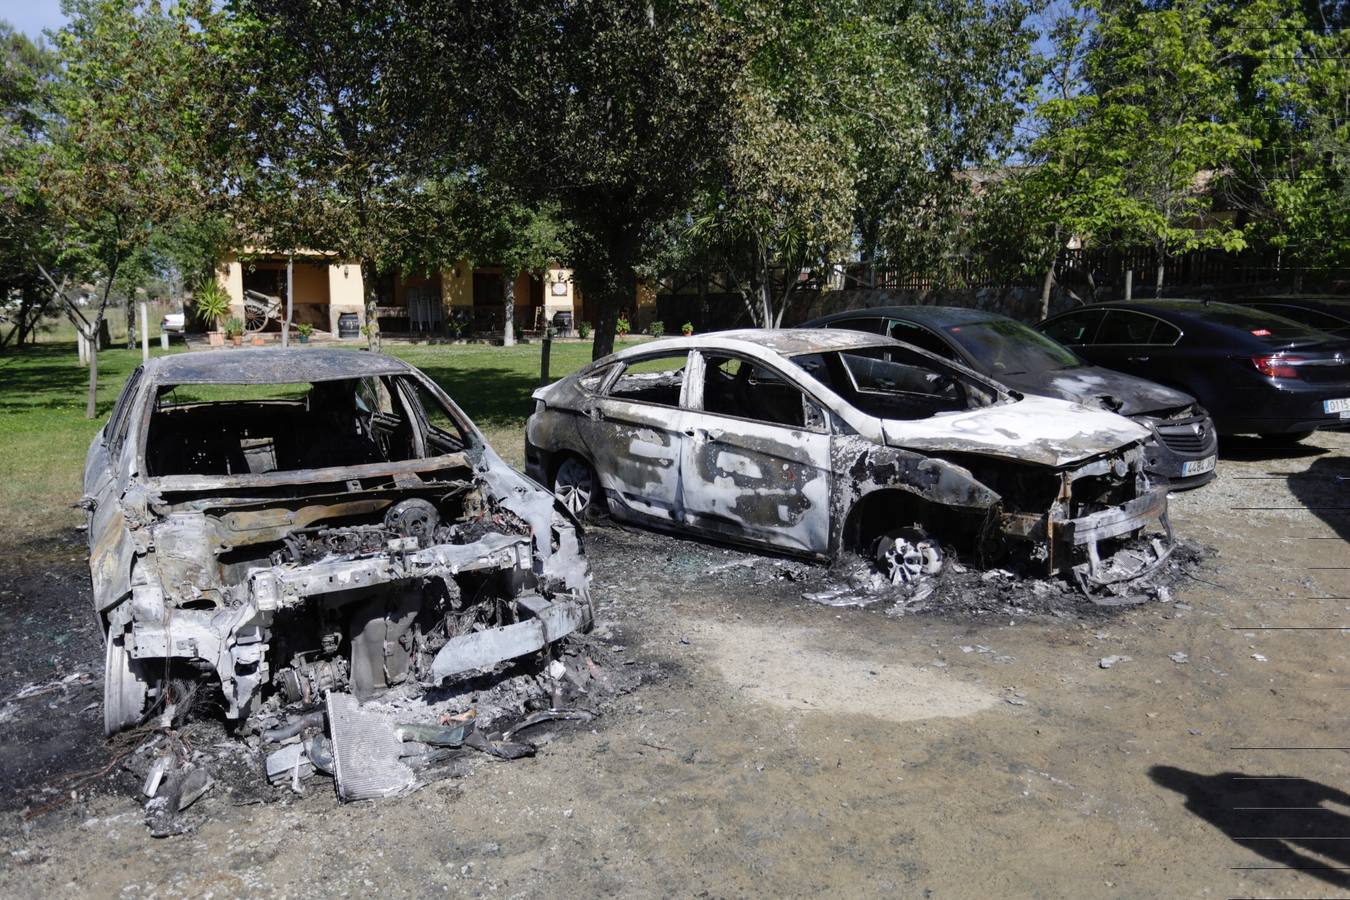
[625, 481]
[753, 481]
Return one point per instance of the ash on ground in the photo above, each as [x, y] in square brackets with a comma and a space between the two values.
[430, 733]
[960, 590]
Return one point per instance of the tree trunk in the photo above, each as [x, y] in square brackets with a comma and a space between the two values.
[91, 407]
[1047, 285]
[130, 304]
[1161, 272]
[508, 310]
[368, 282]
[606, 314]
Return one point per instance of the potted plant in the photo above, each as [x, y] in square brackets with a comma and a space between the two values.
[657, 328]
[687, 329]
[213, 304]
[234, 330]
[621, 327]
[584, 330]
[304, 329]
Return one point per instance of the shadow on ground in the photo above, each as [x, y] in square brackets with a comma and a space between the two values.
[1249, 448]
[1283, 819]
[1324, 488]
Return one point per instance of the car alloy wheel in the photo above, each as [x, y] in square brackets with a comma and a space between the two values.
[575, 486]
[907, 555]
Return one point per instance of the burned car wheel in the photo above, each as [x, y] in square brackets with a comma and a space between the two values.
[125, 689]
[577, 486]
[908, 554]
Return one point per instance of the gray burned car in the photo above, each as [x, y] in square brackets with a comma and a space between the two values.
[819, 442]
[294, 522]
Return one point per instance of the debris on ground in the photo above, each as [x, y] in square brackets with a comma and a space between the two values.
[1107, 662]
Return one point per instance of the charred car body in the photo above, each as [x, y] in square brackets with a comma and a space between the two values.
[815, 442]
[291, 522]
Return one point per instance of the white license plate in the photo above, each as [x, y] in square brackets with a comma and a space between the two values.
[1198, 466]
[1341, 406]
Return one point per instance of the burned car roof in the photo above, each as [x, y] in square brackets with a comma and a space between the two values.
[783, 341]
[271, 365]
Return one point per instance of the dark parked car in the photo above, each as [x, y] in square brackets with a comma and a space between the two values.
[1328, 313]
[1182, 448]
[1256, 372]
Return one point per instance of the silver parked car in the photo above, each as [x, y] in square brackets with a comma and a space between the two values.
[293, 522]
[816, 442]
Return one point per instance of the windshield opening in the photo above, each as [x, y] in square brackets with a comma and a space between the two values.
[223, 429]
[1007, 347]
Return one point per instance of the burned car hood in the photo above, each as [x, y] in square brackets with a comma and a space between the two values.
[1040, 430]
[1128, 395]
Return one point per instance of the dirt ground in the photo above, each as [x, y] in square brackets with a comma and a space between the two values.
[789, 748]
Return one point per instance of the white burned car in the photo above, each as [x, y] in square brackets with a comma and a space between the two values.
[293, 522]
[815, 442]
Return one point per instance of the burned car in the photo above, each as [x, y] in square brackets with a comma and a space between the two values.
[298, 522]
[817, 442]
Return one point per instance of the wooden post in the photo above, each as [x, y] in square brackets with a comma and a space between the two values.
[164, 340]
[1129, 285]
[544, 354]
[290, 294]
[145, 332]
[508, 310]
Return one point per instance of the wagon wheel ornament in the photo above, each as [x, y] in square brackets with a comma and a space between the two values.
[259, 309]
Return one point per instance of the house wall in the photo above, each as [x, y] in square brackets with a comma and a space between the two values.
[346, 293]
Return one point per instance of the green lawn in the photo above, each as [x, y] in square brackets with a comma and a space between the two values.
[44, 435]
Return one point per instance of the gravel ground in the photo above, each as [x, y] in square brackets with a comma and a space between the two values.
[784, 747]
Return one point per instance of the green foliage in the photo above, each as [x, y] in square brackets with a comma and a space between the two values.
[584, 330]
[212, 303]
[657, 328]
[305, 329]
[687, 329]
[233, 328]
[622, 326]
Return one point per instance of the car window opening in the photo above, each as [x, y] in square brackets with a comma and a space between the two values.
[227, 430]
[734, 387]
[657, 380]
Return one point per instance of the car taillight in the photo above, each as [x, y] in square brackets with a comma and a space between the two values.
[1277, 366]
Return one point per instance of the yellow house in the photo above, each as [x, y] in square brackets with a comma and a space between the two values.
[328, 288]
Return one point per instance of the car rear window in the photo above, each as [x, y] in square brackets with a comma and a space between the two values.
[1261, 324]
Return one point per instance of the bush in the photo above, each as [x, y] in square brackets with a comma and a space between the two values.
[584, 330]
[305, 329]
[234, 327]
[621, 327]
[212, 304]
[687, 329]
[656, 329]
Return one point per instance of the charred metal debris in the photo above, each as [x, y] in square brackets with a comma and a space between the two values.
[300, 536]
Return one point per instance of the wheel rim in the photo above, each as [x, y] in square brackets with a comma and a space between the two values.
[574, 486]
[903, 560]
[124, 693]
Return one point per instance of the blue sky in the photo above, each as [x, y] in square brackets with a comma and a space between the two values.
[31, 16]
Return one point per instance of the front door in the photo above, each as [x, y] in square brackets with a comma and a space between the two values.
[756, 457]
[634, 431]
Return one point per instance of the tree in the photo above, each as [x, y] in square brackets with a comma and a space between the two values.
[820, 90]
[1161, 104]
[614, 111]
[968, 68]
[113, 163]
[330, 112]
[1291, 181]
[26, 73]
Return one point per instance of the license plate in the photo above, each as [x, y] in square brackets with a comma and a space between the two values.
[1341, 406]
[1198, 466]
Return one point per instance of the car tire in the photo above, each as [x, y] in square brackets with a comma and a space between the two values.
[907, 554]
[577, 487]
[125, 689]
[1288, 438]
